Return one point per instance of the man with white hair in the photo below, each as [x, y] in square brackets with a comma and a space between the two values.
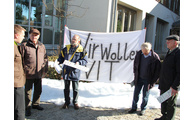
[146, 72]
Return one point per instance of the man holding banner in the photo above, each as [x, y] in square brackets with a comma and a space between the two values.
[146, 72]
[74, 53]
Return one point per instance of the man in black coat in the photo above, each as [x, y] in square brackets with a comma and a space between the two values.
[146, 72]
[170, 77]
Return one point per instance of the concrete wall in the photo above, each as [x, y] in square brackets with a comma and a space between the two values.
[95, 18]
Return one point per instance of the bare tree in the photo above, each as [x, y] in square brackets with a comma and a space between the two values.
[62, 13]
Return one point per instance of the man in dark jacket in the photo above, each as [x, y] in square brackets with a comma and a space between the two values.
[19, 76]
[74, 53]
[35, 66]
[170, 77]
[146, 72]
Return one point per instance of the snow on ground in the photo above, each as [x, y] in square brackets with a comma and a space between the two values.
[98, 94]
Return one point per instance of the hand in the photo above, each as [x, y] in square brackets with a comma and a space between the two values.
[174, 92]
[132, 83]
[56, 62]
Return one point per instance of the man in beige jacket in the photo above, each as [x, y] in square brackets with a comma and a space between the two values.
[19, 76]
[35, 67]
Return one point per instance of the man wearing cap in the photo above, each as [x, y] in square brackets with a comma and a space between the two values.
[170, 77]
[35, 67]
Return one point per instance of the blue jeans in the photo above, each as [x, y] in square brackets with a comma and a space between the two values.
[141, 83]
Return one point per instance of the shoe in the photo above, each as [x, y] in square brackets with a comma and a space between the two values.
[65, 106]
[132, 111]
[28, 111]
[142, 112]
[37, 107]
[76, 106]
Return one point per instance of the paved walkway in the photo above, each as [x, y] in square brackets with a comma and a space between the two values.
[54, 112]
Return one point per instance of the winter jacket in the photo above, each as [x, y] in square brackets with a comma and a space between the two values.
[170, 72]
[153, 68]
[35, 60]
[19, 76]
[80, 56]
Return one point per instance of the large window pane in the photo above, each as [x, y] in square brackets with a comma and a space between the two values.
[47, 36]
[57, 37]
[22, 12]
[49, 13]
[132, 25]
[126, 25]
[119, 21]
[126, 19]
[36, 13]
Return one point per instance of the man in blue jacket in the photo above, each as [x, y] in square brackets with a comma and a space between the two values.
[73, 53]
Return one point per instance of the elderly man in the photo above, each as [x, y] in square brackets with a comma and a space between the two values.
[35, 66]
[170, 77]
[146, 72]
[74, 53]
[19, 76]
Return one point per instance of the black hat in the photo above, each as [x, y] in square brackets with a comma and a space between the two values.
[174, 37]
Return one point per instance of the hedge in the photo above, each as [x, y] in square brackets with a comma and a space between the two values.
[51, 73]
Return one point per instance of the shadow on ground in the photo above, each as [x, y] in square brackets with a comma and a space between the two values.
[54, 112]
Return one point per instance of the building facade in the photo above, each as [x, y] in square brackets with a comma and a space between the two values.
[157, 16]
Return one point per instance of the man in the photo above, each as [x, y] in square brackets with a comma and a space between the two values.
[74, 53]
[146, 72]
[19, 76]
[35, 66]
[170, 77]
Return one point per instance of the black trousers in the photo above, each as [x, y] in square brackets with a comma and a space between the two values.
[37, 91]
[19, 104]
[168, 107]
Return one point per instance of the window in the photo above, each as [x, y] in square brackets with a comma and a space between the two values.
[49, 13]
[125, 19]
[48, 36]
[22, 12]
[36, 13]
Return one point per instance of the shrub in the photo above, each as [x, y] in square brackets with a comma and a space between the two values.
[52, 74]
[52, 58]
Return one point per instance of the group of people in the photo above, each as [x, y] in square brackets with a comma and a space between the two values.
[31, 65]
[148, 70]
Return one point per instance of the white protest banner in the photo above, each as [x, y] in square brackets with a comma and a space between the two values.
[110, 55]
